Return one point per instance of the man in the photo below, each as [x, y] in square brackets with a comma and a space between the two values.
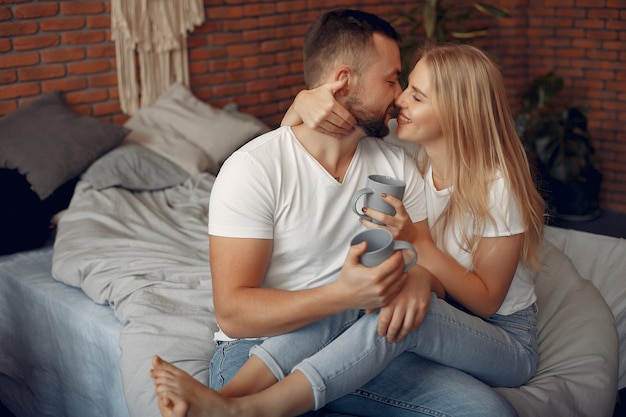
[280, 222]
[292, 212]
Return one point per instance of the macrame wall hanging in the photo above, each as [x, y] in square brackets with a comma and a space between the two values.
[156, 32]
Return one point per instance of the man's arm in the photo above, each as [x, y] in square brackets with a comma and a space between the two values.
[245, 309]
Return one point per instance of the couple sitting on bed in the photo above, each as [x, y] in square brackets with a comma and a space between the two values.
[303, 325]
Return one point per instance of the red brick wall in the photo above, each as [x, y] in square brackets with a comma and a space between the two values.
[250, 52]
[58, 45]
[584, 41]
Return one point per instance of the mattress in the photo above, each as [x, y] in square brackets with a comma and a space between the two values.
[59, 353]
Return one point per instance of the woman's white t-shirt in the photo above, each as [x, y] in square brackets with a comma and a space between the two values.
[504, 209]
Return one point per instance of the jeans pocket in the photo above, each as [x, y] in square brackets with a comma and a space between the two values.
[522, 325]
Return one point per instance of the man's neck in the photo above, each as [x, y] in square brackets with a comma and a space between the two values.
[334, 154]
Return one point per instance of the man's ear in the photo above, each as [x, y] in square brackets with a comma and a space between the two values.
[344, 74]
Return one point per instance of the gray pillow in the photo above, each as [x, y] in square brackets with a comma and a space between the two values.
[135, 168]
[50, 144]
[190, 133]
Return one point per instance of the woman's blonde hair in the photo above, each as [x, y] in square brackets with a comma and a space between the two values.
[471, 106]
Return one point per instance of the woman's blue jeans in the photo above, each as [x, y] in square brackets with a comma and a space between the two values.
[342, 352]
[410, 385]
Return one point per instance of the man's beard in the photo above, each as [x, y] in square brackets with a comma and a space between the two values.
[372, 124]
[373, 128]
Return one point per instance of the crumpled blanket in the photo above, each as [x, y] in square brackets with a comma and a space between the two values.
[146, 255]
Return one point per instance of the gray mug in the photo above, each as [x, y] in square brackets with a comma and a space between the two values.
[375, 186]
[380, 246]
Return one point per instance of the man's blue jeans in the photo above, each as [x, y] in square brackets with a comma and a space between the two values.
[409, 385]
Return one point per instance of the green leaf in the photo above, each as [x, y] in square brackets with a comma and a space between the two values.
[490, 10]
[469, 34]
[430, 18]
[409, 17]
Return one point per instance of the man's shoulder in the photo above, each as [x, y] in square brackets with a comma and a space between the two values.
[269, 139]
[260, 153]
[379, 147]
[384, 154]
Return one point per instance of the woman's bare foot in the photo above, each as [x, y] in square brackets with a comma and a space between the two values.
[166, 407]
[180, 395]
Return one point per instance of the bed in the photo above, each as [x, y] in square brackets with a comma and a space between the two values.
[127, 277]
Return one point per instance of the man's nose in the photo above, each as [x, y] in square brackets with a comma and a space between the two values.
[398, 91]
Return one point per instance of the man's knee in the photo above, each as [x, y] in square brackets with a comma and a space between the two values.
[227, 359]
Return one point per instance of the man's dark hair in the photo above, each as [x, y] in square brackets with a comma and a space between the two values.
[341, 37]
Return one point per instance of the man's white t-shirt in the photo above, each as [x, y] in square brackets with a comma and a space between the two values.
[504, 209]
[272, 188]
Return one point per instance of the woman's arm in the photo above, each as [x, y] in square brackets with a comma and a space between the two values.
[318, 109]
[483, 290]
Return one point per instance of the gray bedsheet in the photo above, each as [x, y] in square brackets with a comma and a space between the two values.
[146, 255]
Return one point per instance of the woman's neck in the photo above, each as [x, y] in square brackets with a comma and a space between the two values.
[442, 178]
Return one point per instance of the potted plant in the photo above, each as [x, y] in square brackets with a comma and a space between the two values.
[558, 142]
[441, 21]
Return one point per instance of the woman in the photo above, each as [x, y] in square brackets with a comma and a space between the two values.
[486, 224]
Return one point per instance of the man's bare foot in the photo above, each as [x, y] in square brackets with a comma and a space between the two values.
[180, 395]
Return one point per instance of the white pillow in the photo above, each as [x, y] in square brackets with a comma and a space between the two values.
[192, 134]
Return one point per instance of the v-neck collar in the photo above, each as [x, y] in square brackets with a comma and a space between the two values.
[328, 175]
